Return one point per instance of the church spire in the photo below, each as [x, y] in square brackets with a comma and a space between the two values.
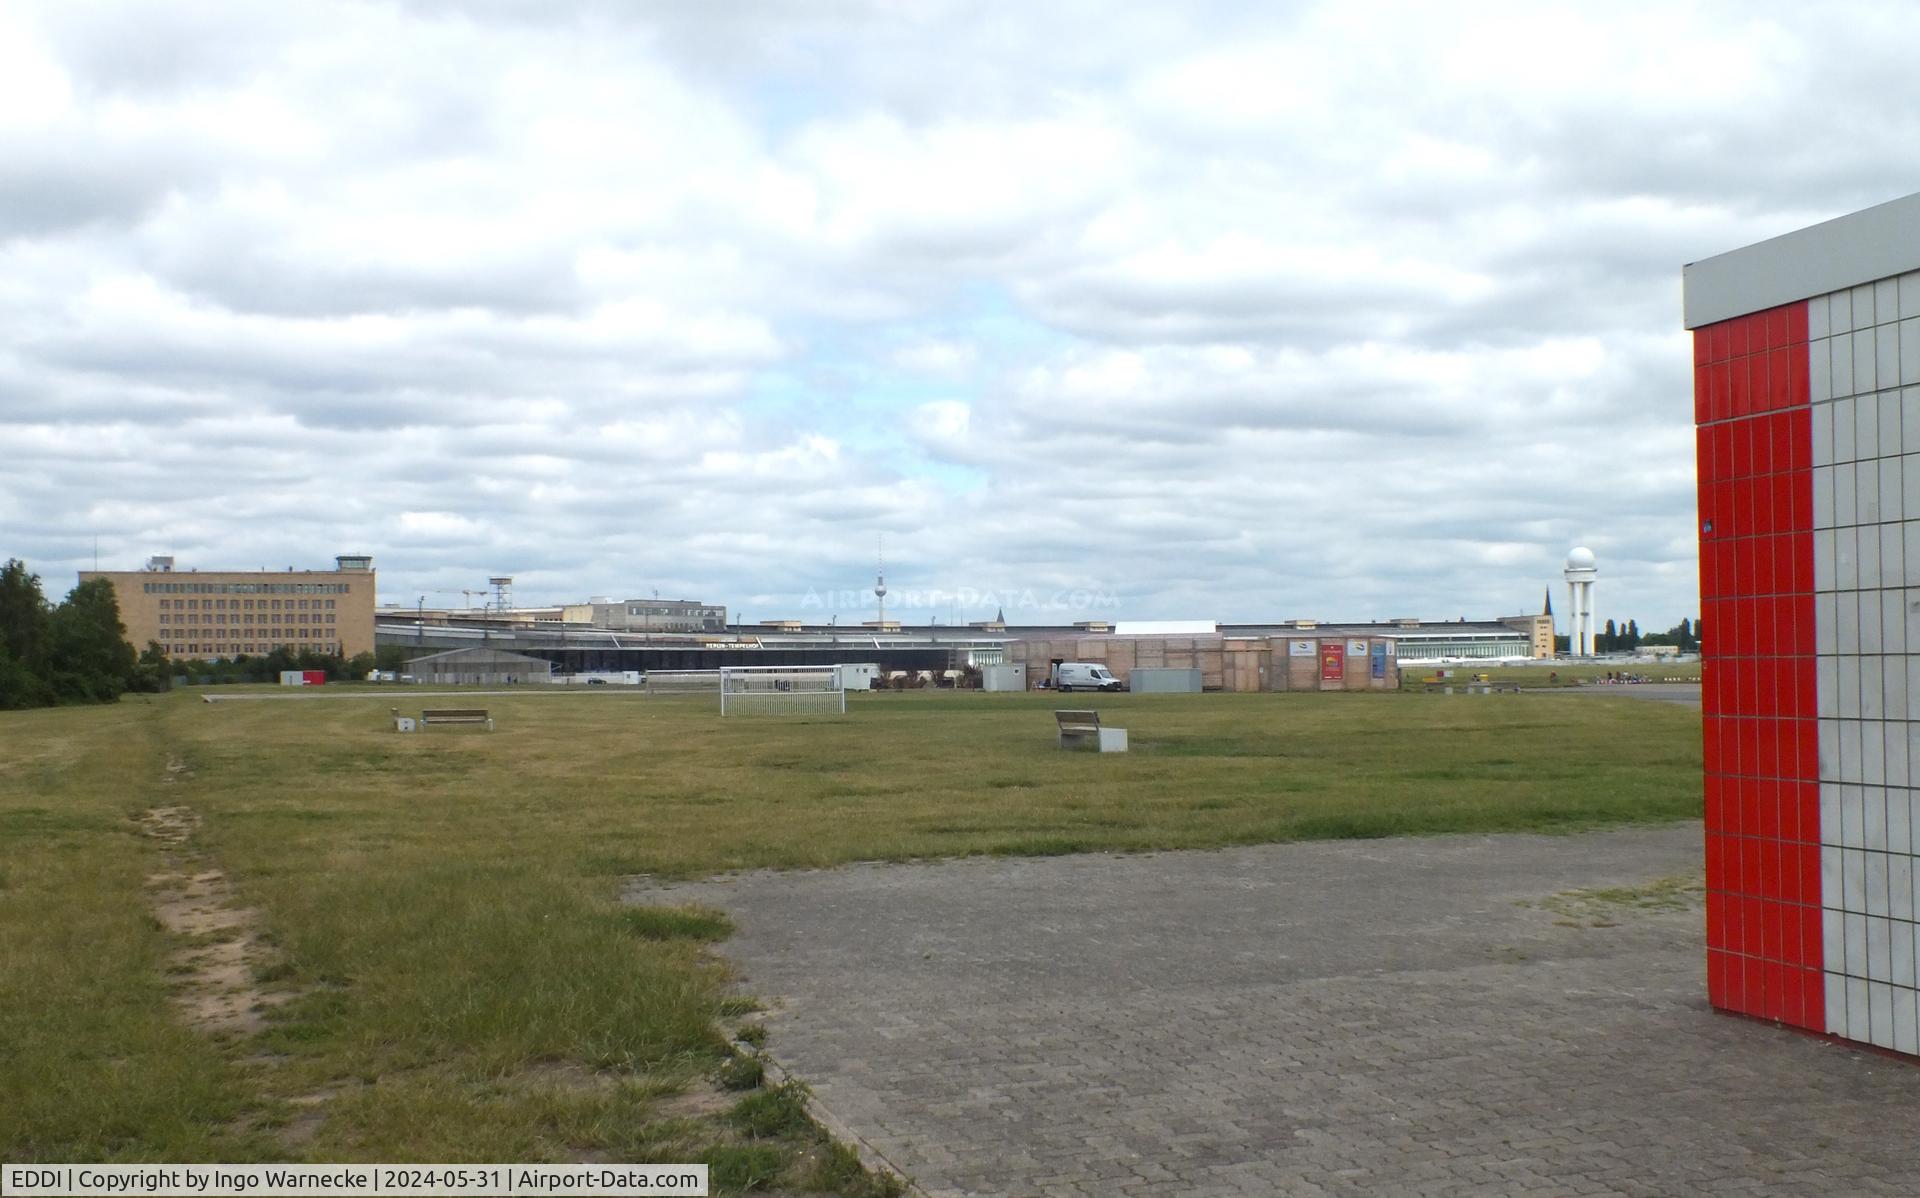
[1549, 608]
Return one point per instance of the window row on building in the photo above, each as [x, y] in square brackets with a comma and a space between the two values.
[676, 609]
[1489, 647]
[244, 604]
[247, 588]
[248, 648]
[292, 617]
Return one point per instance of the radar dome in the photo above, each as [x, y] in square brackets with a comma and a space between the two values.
[1580, 559]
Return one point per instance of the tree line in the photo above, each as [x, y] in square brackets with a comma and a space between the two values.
[74, 651]
[1624, 638]
[267, 667]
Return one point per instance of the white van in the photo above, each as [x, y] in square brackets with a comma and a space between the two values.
[1084, 676]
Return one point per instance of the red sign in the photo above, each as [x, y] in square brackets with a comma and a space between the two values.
[313, 678]
[1333, 661]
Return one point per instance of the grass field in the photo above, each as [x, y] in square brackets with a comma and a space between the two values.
[432, 921]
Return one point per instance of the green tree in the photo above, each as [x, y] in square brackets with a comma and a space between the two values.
[23, 614]
[153, 673]
[88, 659]
[278, 659]
[1680, 636]
[332, 664]
[394, 657]
[19, 686]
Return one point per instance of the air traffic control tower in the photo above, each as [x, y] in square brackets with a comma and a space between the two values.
[1806, 367]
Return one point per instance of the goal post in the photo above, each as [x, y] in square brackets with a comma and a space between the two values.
[681, 682]
[782, 690]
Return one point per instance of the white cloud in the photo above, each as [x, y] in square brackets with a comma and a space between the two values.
[946, 359]
[34, 92]
[1230, 310]
[942, 423]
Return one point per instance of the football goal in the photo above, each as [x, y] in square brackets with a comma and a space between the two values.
[682, 682]
[782, 690]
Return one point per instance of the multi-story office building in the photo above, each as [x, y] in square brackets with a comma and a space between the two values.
[230, 613]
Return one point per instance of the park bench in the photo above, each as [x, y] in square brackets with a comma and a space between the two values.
[1081, 729]
[456, 715]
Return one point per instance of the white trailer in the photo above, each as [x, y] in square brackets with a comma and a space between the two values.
[1003, 677]
[859, 676]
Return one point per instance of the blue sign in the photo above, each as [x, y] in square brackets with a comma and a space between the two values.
[1378, 659]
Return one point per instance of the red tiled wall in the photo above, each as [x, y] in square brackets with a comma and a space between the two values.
[1754, 442]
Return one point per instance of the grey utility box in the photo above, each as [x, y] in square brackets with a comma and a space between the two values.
[1003, 678]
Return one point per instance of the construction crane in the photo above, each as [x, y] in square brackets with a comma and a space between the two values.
[466, 594]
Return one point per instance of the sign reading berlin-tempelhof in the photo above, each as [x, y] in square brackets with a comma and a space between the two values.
[297, 1181]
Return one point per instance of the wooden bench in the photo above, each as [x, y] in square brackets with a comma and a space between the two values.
[456, 715]
[1081, 729]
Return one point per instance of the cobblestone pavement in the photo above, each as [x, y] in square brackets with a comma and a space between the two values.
[1360, 1017]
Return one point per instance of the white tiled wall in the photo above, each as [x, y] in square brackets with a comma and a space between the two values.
[1864, 366]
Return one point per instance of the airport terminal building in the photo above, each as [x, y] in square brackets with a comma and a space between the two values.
[579, 648]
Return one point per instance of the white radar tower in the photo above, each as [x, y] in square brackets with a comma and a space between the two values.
[1580, 576]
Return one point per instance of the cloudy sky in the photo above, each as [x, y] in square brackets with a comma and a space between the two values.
[1230, 310]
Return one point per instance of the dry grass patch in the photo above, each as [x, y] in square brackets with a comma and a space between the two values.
[446, 913]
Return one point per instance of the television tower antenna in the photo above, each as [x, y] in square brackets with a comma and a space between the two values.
[880, 580]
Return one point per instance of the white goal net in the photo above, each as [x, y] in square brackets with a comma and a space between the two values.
[682, 682]
[782, 690]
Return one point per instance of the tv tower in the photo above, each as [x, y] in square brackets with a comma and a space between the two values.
[880, 581]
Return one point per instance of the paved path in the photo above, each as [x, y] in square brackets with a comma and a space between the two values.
[1350, 1018]
[1666, 692]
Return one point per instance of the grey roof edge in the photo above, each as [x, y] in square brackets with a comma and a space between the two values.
[472, 650]
[1843, 252]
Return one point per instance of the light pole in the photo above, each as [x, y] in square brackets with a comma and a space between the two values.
[420, 622]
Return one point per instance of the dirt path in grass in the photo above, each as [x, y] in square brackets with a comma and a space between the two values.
[219, 950]
[214, 967]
